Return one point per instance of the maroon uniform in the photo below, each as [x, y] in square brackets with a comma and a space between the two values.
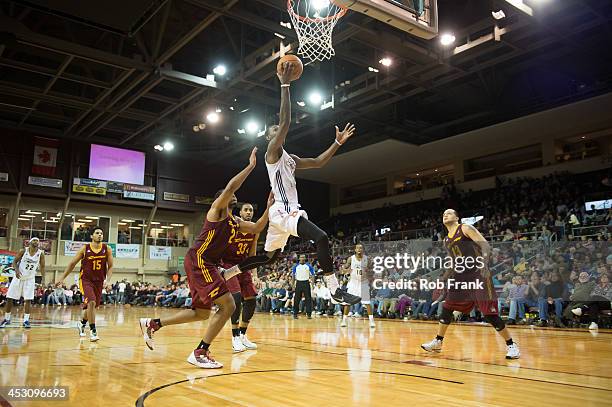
[203, 259]
[463, 300]
[93, 272]
[235, 253]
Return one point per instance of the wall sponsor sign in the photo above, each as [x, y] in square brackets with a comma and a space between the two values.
[128, 251]
[171, 196]
[114, 187]
[89, 186]
[71, 248]
[138, 192]
[4, 176]
[45, 182]
[160, 252]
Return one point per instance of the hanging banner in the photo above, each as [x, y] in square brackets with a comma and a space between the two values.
[114, 187]
[45, 182]
[160, 252]
[138, 192]
[45, 156]
[128, 251]
[89, 186]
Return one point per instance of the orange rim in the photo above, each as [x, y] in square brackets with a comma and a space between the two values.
[336, 16]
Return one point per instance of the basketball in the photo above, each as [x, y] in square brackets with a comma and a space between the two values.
[298, 67]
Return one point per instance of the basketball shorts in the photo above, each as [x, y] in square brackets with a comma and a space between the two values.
[282, 224]
[360, 289]
[465, 300]
[241, 283]
[91, 291]
[21, 288]
[205, 282]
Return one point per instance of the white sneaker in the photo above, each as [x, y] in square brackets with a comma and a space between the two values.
[247, 344]
[237, 345]
[434, 346]
[577, 311]
[93, 337]
[203, 359]
[343, 323]
[81, 329]
[513, 351]
[148, 327]
[593, 325]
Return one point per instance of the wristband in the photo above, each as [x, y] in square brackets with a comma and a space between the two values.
[285, 85]
[337, 142]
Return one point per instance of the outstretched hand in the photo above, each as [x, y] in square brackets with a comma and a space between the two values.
[344, 135]
[285, 75]
[253, 157]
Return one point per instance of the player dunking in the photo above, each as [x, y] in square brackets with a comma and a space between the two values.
[286, 216]
[26, 263]
[465, 242]
[241, 286]
[96, 266]
[202, 264]
[359, 282]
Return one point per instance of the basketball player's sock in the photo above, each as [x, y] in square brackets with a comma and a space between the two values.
[83, 322]
[439, 338]
[7, 316]
[203, 345]
[235, 332]
[158, 322]
[371, 317]
[509, 342]
[332, 283]
[344, 318]
[26, 317]
[92, 328]
[243, 330]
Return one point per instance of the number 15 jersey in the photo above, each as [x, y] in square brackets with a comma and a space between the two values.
[94, 264]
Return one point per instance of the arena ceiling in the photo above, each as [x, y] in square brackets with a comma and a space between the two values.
[133, 73]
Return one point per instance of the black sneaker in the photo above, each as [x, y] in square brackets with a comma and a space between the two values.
[344, 298]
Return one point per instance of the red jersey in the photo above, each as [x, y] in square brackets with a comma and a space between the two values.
[238, 248]
[214, 238]
[94, 265]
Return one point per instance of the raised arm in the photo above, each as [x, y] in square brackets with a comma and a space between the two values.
[279, 133]
[324, 157]
[234, 185]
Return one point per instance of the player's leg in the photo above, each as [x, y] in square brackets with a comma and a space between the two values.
[308, 299]
[91, 317]
[345, 311]
[13, 294]
[370, 315]
[237, 345]
[7, 312]
[513, 351]
[445, 319]
[248, 310]
[27, 307]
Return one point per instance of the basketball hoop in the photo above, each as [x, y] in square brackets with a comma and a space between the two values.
[314, 22]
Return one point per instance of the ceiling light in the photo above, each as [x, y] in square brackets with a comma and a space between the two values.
[166, 227]
[301, 103]
[371, 69]
[386, 61]
[85, 220]
[241, 131]
[282, 37]
[196, 128]
[143, 225]
[447, 39]
[34, 213]
[127, 220]
[134, 227]
[26, 219]
[498, 15]
[320, 4]
[168, 146]
[121, 223]
[220, 70]
[177, 224]
[92, 217]
[315, 98]
[27, 216]
[252, 127]
[158, 147]
[213, 117]
[154, 223]
[50, 221]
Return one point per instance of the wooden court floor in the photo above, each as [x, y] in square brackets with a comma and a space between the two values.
[304, 363]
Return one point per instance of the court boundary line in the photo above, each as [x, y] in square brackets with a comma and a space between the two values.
[140, 401]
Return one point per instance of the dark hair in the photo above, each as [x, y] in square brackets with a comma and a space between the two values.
[456, 213]
[245, 203]
[97, 228]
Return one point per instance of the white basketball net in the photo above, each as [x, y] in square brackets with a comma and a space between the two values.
[314, 22]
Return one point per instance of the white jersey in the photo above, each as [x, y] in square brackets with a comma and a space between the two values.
[28, 265]
[282, 181]
[357, 268]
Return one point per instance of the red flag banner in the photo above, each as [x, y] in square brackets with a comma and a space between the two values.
[45, 156]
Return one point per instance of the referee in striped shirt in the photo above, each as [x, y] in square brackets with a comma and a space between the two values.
[302, 273]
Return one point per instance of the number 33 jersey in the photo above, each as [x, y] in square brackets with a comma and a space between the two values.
[94, 264]
[29, 264]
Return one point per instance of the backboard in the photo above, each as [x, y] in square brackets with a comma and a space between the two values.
[417, 17]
